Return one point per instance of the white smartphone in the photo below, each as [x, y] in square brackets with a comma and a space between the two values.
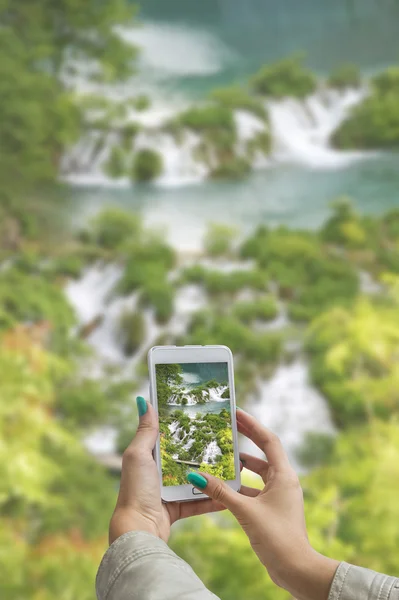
[192, 389]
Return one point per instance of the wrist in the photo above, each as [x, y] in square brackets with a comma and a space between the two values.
[124, 521]
[310, 576]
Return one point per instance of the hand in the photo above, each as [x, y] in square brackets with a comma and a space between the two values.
[273, 518]
[139, 506]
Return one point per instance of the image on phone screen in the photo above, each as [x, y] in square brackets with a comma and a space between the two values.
[195, 421]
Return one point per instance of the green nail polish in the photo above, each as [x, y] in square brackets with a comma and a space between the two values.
[197, 480]
[141, 405]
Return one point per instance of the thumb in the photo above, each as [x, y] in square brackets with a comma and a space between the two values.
[147, 431]
[219, 491]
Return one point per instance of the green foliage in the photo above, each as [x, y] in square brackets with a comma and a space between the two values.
[344, 227]
[41, 117]
[345, 76]
[288, 77]
[218, 282]
[219, 239]
[116, 165]
[168, 377]
[193, 439]
[58, 506]
[237, 98]
[112, 228]
[32, 300]
[264, 309]
[261, 142]
[316, 450]
[207, 328]
[307, 273]
[353, 360]
[358, 490]
[159, 294]
[374, 123]
[208, 118]
[147, 165]
[131, 331]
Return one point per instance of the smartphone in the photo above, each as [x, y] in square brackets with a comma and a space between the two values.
[192, 389]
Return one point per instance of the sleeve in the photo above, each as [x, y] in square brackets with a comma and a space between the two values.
[356, 583]
[140, 566]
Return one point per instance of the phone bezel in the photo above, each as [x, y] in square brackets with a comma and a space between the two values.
[192, 354]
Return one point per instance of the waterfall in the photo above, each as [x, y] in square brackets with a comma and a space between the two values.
[300, 134]
[290, 406]
[301, 129]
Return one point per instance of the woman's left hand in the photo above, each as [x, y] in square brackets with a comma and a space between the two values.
[139, 506]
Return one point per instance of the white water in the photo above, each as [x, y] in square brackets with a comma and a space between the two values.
[291, 407]
[212, 451]
[301, 130]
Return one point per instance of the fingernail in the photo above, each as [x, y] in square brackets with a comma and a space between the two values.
[243, 462]
[141, 405]
[197, 480]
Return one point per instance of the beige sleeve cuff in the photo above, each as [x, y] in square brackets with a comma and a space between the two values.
[356, 583]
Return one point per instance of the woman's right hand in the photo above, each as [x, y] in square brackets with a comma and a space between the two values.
[273, 518]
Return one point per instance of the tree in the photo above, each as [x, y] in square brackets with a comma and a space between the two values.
[167, 376]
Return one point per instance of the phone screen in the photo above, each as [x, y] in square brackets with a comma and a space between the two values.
[195, 421]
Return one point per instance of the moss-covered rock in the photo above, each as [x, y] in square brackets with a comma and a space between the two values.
[345, 76]
[285, 78]
[147, 165]
[235, 97]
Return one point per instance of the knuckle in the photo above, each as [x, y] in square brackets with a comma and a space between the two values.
[148, 427]
[131, 454]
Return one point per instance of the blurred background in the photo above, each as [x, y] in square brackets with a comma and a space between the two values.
[196, 173]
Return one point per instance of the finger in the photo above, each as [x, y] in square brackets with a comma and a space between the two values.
[218, 490]
[147, 431]
[256, 465]
[199, 507]
[249, 491]
[265, 439]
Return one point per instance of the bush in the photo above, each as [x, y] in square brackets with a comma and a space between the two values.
[219, 239]
[218, 282]
[264, 309]
[147, 165]
[208, 118]
[160, 295]
[112, 228]
[131, 331]
[373, 124]
[345, 76]
[235, 97]
[287, 77]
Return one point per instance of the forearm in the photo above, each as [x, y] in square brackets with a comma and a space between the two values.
[316, 577]
[139, 566]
